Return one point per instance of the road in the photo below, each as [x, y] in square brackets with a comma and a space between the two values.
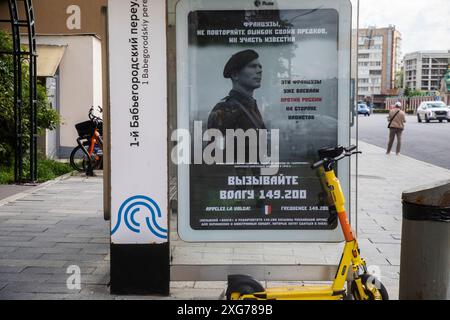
[428, 142]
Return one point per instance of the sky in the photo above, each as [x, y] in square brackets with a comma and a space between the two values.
[424, 24]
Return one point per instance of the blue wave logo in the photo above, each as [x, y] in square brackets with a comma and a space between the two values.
[133, 205]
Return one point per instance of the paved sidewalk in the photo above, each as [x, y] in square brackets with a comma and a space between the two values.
[62, 224]
[8, 190]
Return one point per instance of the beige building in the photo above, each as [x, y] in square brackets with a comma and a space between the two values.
[71, 63]
[377, 54]
[424, 70]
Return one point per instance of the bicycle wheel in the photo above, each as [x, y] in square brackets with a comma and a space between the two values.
[97, 162]
[78, 159]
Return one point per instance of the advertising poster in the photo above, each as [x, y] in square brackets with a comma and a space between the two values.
[265, 68]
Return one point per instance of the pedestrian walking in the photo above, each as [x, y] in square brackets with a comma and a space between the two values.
[397, 120]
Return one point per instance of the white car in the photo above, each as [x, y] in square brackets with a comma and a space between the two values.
[433, 110]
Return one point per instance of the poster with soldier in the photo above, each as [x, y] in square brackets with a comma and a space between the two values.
[272, 74]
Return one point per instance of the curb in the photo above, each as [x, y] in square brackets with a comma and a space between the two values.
[34, 189]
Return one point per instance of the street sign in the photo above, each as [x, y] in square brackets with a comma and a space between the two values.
[140, 253]
[139, 175]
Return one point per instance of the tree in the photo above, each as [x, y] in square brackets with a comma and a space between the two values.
[47, 118]
[413, 93]
[407, 92]
[399, 79]
[417, 93]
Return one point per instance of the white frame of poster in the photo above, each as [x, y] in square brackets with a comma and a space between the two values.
[343, 7]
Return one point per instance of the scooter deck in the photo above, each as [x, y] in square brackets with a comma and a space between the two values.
[297, 293]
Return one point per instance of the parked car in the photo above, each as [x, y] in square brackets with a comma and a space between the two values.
[433, 110]
[363, 109]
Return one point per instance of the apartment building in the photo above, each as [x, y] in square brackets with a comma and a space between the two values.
[378, 60]
[424, 70]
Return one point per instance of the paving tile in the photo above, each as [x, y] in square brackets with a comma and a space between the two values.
[6, 239]
[29, 244]
[49, 250]
[23, 277]
[72, 257]
[21, 255]
[85, 279]
[4, 269]
[4, 250]
[36, 287]
[55, 270]
[36, 296]
[30, 263]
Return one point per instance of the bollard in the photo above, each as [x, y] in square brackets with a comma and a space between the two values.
[425, 248]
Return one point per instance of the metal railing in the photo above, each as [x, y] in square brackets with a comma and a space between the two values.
[18, 24]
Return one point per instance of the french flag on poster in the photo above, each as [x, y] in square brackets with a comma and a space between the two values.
[268, 210]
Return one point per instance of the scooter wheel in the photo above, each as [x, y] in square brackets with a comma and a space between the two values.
[373, 288]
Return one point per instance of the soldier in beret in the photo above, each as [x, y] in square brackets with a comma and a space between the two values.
[239, 109]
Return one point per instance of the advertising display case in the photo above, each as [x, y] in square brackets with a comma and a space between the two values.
[279, 72]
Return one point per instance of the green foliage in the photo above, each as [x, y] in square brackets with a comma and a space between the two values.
[47, 118]
[414, 93]
[399, 79]
[6, 174]
[47, 170]
[380, 111]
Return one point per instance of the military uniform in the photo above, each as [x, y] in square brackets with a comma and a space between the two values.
[236, 111]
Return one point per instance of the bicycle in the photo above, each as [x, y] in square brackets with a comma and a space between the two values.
[88, 154]
[363, 287]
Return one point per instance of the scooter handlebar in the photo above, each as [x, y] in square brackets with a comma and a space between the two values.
[348, 152]
[317, 164]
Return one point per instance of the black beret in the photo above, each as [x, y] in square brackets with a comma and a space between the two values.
[238, 61]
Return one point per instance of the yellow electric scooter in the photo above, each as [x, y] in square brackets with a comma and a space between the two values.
[363, 287]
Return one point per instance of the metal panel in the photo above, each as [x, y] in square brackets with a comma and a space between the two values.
[259, 272]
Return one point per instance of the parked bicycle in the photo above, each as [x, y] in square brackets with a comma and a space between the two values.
[88, 154]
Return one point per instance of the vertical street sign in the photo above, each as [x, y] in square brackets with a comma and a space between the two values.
[139, 171]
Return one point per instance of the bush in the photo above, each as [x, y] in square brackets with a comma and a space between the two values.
[47, 169]
[380, 111]
[47, 118]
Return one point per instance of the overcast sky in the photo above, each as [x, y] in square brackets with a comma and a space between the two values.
[424, 24]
